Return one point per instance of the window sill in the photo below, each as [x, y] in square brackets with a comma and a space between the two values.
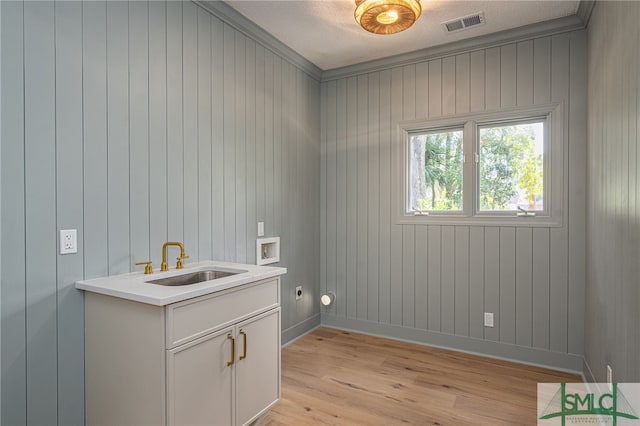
[480, 220]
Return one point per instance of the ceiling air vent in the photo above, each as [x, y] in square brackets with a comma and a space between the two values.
[463, 23]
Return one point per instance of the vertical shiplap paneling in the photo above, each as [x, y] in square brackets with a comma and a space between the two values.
[373, 198]
[578, 194]
[542, 70]
[286, 249]
[476, 281]
[175, 142]
[121, 101]
[434, 293]
[461, 280]
[443, 278]
[13, 300]
[229, 143]
[408, 231]
[396, 313]
[330, 193]
[384, 297]
[435, 88]
[217, 140]
[524, 290]
[304, 255]
[70, 307]
[622, 190]
[449, 85]
[540, 285]
[408, 276]
[508, 285]
[190, 128]
[422, 90]
[118, 189]
[631, 313]
[40, 201]
[352, 197]
[324, 104]
[252, 225]
[421, 278]
[94, 100]
[282, 180]
[463, 101]
[559, 236]
[361, 196]
[492, 84]
[241, 150]
[524, 73]
[421, 248]
[324, 100]
[540, 237]
[139, 130]
[289, 184]
[261, 157]
[492, 281]
[612, 245]
[158, 207]
[269, 147]
[508, 75]
[476, 80]
[447, 279]
[204, 135]
[280, 149]
[341, 197]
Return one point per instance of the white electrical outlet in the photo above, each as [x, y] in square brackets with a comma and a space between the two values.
[610, 378]
[260, 229]
[488, 319]
[68, 241]
[299, 292]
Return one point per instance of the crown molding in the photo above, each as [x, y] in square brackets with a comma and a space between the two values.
[555, 26]
[585, 8]
[233, 18]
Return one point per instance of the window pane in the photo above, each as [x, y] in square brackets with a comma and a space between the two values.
[436, 166]
[511, 167]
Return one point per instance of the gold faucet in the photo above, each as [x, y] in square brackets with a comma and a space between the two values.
[163, 266]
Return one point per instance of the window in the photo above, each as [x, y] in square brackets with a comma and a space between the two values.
[436, 171]
[484, 168]
[511, 166]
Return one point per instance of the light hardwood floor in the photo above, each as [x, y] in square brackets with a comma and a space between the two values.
[334, 377]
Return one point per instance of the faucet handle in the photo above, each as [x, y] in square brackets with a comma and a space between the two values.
[148, 269]
[179, 261]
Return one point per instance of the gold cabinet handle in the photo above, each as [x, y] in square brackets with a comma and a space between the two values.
[244, 338]
[233, 350]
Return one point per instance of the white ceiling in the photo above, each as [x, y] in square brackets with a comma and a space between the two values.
[325, 32]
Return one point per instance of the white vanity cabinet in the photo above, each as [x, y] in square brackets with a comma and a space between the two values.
[209, 360]
[210, 371]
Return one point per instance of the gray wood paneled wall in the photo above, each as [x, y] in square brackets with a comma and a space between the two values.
[433, 283]
[613, 228]
[137, 123]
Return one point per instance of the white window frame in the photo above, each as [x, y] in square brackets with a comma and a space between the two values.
[555, 167]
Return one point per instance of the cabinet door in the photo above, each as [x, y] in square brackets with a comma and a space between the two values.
[199, 381]
[257, 374]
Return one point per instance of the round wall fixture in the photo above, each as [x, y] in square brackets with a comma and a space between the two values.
[328, 298]
[387, 16]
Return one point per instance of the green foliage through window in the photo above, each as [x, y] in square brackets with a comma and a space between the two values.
[511, 167]
[439, 156]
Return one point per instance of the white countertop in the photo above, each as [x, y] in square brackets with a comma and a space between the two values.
[134, 286]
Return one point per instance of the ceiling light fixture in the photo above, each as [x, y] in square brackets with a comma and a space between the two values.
[387, 16]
